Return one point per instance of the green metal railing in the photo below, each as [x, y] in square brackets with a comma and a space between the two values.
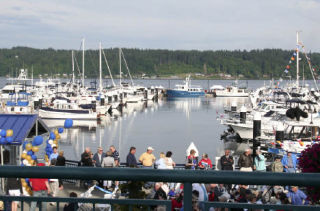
[182, 176]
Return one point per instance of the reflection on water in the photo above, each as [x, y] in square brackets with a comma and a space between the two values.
[164, 125]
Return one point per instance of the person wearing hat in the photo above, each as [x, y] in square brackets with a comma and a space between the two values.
[296, 196]
[277, 166]
[147, 158]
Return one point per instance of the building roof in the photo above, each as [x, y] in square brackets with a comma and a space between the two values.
[22, 125]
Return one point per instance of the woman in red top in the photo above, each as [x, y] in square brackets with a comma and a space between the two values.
[205, 162]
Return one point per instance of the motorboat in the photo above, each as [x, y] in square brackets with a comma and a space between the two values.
[186, 90]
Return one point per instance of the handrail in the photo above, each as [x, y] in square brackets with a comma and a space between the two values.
[208, 205]
[134, 174]
[182, 176]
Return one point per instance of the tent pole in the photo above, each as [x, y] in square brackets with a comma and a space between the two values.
[2, 162]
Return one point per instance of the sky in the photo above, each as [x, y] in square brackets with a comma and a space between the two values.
[161, 24]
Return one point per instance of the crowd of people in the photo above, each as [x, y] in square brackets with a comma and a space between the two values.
[174, 192]
[209, 192]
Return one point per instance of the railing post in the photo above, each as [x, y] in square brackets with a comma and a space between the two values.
[187, 196]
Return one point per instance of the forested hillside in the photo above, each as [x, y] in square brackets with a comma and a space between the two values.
[253, 64]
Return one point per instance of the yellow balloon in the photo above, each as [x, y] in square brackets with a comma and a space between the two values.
[58, 136]
[9, 133]
[28, 146]
[55, 142]
[46, 158]
[24, 184]
[24, 155]
[35, 149]
[28, 158]
[56, 132]
[31, 162]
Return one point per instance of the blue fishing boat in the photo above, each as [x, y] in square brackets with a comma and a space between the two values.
[186, 90]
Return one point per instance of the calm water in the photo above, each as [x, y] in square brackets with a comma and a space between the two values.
[166, 125]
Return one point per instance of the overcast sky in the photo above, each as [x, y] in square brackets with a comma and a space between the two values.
[164, 24]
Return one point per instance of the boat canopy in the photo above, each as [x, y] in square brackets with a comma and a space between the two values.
[217, 87]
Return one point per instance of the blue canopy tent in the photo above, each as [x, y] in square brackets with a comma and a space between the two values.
[23, 126]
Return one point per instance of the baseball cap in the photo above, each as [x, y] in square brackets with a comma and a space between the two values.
[150, 148]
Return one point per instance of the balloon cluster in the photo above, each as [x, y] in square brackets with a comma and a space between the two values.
[6, 136]
[54, 137]
[28, 156]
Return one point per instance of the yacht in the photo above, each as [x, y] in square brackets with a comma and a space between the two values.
[186, 90]
[229, 91]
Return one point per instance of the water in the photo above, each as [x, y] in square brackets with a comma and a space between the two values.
[166, 125]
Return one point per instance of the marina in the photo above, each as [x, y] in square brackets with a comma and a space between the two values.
[162, 106]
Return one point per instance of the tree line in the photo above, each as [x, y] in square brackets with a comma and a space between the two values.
[253, 64]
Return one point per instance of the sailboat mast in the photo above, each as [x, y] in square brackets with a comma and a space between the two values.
[32, 75]
[100, 69]
[297, 59]
[72, 66]
[120, 65]
[83, 62]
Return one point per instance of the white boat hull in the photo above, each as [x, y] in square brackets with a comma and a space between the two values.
[66, 115]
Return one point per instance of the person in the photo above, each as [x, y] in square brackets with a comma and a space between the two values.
[289, 163]
[156, 187]
[161, 163]
[169, 162]
[227, 161]
[219, 191]
[245, 161]
[73, 205]
[131, 158]
[53, 183]
[86, 157]
[14, 188]
[277, 166]
[147, 158]
[115, 155]
[192, 161]
[205, 162]
[40, 188]
[296, 196]
[98, 157]
[53, 155]
[108, 162]
[259, 162]
[61, 160]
